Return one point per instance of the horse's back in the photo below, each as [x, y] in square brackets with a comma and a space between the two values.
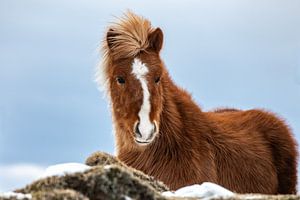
[259, 148]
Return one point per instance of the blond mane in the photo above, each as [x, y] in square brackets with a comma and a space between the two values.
[128, 36]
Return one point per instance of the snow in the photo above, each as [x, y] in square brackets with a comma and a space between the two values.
[206, 190]
[107, 166]
[127, 198]
[16, 195]
[65, 168]
[253, 196]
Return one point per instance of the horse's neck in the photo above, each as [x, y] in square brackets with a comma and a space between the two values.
[181, 120]
[179, 111]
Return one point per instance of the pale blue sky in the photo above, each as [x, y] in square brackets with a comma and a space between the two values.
[243, 54]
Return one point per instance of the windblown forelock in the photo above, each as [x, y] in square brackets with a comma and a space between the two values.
[130, 37]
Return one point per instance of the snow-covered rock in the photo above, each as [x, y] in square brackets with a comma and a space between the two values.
[7, 195]
[65, 168]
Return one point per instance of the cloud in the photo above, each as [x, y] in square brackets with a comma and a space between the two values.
[18, 175]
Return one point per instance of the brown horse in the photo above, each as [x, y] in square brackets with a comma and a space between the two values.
[161, 131]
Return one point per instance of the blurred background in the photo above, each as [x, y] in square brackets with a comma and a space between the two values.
[243, 54]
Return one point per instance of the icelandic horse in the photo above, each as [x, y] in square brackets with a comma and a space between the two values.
[161, 131]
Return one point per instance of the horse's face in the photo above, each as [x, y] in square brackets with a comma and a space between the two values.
[137, 94]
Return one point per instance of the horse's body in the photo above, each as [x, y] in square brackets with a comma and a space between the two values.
[245, 151]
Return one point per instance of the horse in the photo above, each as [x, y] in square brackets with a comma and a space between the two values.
[160, 130]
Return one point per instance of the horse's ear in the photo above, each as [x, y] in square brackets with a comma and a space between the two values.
[156, 40]
[110, 38]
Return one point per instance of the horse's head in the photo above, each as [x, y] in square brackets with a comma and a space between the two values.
[134, 76]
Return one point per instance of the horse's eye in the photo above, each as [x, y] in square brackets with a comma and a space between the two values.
[120, 80]
[157, 79]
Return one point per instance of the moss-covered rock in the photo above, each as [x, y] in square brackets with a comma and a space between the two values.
[6, 197]
[100, 182]
[47, 195]
[101, 158]
[58, 195]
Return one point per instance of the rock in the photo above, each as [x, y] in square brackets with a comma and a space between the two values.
[101, 158]
[49, 195]
[98, 183]
[14, 196]
[58, 195]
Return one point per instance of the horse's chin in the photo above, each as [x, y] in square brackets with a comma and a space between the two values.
[143, 143]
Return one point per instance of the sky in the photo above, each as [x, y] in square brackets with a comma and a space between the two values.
[231, 53]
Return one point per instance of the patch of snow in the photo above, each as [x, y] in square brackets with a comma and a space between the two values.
[168, 194]
[206, 190]
[253, 196]
[65, 168]
[127, 198]
[107, 166]
[15, 195]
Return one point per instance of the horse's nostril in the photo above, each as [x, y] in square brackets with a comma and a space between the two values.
[137, 130]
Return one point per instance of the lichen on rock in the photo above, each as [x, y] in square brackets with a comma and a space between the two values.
[56, 194]
[102, 158]
[100, 182]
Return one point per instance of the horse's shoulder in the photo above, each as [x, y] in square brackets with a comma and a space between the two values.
[253, 118]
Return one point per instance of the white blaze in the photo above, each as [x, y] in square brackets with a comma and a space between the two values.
[140, 71]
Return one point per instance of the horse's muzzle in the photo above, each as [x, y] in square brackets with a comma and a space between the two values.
[144, 137]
